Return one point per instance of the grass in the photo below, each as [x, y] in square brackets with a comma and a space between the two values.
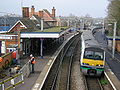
[54, 29]
[104, 82]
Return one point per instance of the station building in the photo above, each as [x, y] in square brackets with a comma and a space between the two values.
[7, 21]
[32, 33]
[48, 17]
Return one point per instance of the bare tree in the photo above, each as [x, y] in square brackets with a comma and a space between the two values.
[114, 12]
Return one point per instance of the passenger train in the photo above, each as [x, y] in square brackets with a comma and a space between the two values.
[92, 55]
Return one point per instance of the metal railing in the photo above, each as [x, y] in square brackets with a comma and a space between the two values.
[17, 79]
[26, 69]
[12, 82]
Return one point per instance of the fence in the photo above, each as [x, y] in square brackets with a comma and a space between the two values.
[26, 69]
[12, 82]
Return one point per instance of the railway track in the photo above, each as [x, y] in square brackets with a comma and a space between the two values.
[97, 83]
[93, 83]
[63, 78]
[65, 71]
[59, 77]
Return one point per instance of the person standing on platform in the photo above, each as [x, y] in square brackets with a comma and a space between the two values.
[14, 57]
[32, 61]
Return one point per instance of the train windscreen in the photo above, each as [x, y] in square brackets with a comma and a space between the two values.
[94, 55]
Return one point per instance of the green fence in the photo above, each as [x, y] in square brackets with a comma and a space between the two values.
[12, 82]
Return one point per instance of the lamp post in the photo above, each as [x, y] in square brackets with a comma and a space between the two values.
[68, 22]
[41, 40]
[83, 24]
[103, 27]
[114, 35]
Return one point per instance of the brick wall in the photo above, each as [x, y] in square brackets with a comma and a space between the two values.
[53, 12]
[16, 28]
[25, 12]
[32, 10]
[40, 14]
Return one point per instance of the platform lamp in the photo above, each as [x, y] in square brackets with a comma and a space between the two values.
[114, 36]
[41, 39]
[103, 31]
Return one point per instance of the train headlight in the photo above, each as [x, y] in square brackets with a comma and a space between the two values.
[85, 63]
[99, 65]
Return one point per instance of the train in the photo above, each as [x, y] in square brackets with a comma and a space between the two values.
[92, 59]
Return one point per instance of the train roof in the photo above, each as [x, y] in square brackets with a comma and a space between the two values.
[98, 49]
[89, 40]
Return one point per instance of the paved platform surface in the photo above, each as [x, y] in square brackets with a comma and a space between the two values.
[114, 64]
[29, 82]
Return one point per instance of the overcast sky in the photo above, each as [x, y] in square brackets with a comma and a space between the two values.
[95, 8]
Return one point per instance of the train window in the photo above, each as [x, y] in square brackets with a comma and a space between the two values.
[89, 55]
[98, 56]
[93, 55]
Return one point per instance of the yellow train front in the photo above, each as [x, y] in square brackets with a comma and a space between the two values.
[93, 61]
[92, 55]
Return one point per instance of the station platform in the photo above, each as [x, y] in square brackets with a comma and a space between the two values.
[29, 81]
[40, 64]
[113, 70]
[113, 64]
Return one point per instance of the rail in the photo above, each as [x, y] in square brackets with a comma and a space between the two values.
[12, 82]
[26, 69]
[70, 66]
[53, 76]
[61, 63]
[93, 83]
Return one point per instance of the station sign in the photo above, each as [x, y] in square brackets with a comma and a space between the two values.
[7, 36]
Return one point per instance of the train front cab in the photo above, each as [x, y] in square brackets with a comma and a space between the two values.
[93, 61]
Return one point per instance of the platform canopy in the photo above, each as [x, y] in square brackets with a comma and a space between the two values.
[40, 35]
[55, 32]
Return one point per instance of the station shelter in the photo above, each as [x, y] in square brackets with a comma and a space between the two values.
[32, 35]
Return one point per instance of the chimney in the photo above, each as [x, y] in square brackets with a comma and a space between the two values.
[25, 12]
[32, 10]
[53, 12]
[40, 14]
